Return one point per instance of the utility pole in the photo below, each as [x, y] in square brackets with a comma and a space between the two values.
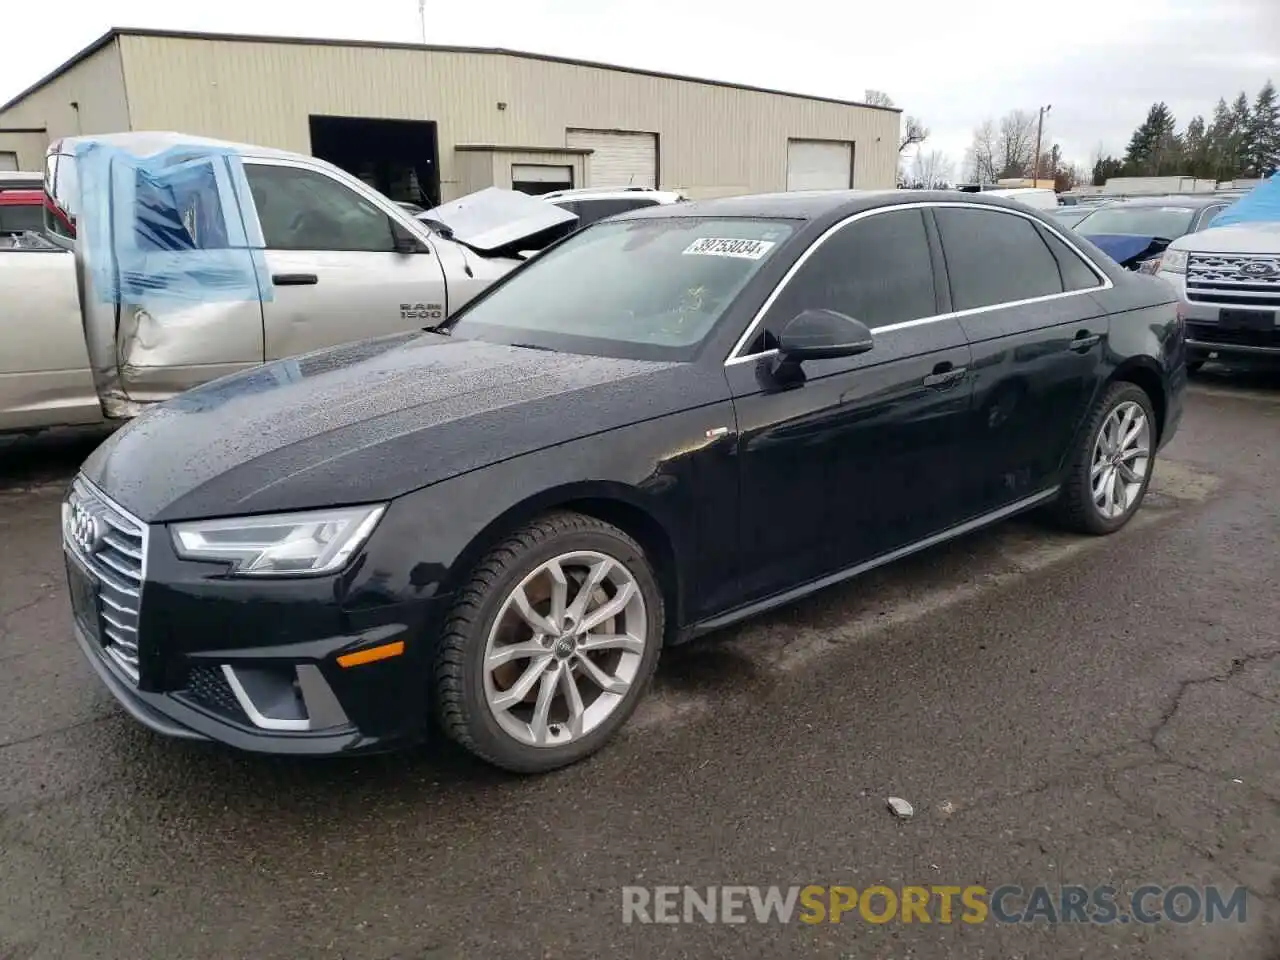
[1035, 169]
[422, 19]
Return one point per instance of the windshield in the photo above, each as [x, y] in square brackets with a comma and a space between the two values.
[639, 289]
[1144, 221]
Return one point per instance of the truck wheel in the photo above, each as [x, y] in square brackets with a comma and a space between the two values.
[1110, 469]
[550, 645]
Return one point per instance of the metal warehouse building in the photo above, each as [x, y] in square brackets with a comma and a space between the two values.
[427, 124]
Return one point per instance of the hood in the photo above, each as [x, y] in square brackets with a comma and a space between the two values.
[371, 421]
[495, 220]
[1239, 238]
[1126, 248]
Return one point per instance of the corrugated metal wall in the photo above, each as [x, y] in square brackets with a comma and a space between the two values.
[96, 84]
[712, 140]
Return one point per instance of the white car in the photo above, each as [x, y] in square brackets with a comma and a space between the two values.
[590, 205]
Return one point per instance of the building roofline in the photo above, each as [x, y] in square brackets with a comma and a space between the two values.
[115, 32]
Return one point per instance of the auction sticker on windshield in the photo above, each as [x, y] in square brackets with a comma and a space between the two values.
[729, 247]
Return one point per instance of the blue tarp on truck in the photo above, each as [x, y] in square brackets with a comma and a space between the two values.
[1259, 205]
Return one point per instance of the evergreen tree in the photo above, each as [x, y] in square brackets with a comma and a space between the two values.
[1221, 135]
[1263, 141]
[1240, 146]
[1154, 148]
[1195, 144]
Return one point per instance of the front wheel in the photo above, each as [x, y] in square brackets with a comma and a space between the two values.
[550, 646]
[1108, 475]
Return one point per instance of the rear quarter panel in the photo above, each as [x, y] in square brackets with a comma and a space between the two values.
[1147, 343]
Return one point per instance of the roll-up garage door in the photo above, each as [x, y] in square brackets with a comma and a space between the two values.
[617, 159]
[819, 165]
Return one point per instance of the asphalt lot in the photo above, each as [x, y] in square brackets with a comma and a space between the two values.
[1059, 710]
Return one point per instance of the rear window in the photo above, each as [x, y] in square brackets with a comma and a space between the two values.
[1167, 222]
[19, 218]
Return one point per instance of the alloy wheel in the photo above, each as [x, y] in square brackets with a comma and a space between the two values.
[1121, 459]
[565, 649]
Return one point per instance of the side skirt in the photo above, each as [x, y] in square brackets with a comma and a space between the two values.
[777, 600]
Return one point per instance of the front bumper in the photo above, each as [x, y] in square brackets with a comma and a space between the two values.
[192, 654]
[1207, 335]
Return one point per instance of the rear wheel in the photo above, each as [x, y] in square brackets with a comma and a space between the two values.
[1108, 475]
[550, 646]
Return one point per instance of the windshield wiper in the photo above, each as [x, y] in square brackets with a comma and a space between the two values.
[530, 346]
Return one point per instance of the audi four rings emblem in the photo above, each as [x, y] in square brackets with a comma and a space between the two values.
[84, 529]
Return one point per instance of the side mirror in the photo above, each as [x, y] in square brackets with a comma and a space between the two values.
[823, 335]
[405, 242]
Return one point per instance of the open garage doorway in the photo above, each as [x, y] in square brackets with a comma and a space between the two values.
[398, 157]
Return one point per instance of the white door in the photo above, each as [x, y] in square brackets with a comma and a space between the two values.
[617, 159]
[336, 273]
[819, 165]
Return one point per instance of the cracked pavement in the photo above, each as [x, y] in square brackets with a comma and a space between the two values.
[1058, 710]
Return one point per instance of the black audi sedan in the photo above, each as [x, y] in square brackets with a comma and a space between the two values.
[665, 423]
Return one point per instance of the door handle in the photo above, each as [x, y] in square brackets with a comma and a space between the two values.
[294, 279]
[944, 374]
[1085, 341]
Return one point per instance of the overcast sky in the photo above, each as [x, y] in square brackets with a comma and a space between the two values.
[1100, 63]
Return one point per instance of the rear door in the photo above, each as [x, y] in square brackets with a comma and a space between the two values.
[335, 271]
[1023, 296]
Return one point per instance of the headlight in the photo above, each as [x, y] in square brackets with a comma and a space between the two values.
[1174, 261]
[283, 544]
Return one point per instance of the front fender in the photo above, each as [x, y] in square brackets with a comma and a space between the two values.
[666, 471]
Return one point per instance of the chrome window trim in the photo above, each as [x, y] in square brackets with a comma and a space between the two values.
[1105, 283]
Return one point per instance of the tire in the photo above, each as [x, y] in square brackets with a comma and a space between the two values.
[1076, 507]
[486, 618]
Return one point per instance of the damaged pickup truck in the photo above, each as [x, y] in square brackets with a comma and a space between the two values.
[168, 261]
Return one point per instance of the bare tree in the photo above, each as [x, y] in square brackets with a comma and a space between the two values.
[1015, 150]
[913, 131]
[980, 158]
[932, 171]
[877, 98]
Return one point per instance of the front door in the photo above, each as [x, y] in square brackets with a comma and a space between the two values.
[851, 460]
[335, 272]
[1038, 339]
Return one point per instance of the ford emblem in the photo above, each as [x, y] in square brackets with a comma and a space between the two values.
[1258, 268]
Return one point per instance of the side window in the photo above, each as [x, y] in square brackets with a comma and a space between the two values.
[876, 270]
[994, 257]
[307, 210]
[1076, 274]
[1208, 215]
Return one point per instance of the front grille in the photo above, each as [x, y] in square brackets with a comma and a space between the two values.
[113, 545]
[1247, 280]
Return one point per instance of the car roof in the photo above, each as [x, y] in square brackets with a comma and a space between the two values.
[604, 193]
[1190, 200]
[815, 204]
